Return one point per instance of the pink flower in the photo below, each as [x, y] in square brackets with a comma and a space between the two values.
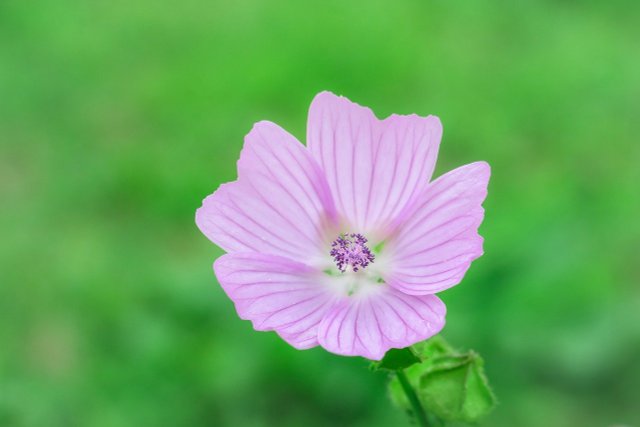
[343, 243]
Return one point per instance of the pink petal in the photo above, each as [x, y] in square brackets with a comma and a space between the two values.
[374, 168]
[275, 294]
[370, 325]
[279, 204]
[439, 239]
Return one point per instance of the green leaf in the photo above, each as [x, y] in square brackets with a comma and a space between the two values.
[396, 359]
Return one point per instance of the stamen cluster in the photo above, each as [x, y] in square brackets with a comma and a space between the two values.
[350, 250]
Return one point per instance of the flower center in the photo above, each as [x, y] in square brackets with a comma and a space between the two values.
[350, 250]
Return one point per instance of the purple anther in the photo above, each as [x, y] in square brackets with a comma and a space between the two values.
[350, 250]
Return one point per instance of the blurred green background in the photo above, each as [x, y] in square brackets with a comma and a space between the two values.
[118, 117]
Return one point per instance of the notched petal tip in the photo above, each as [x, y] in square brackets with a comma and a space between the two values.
[337, 104]
[430, 121]
[328, 96]
[264, 140]
[482, 168]
[330, 99]
[221, 267]
[205, 215]
[262, 127]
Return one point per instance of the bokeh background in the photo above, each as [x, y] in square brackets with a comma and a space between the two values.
[117, 118]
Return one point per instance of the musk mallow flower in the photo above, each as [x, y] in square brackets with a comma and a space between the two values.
[344, 242]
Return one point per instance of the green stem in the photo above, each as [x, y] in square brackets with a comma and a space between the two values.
[418, 410]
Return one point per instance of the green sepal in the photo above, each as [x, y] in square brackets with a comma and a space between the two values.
[433, 347]
[480, 397]
[396, 359]
[455, 388]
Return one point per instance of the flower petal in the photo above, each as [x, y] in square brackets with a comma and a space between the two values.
[369, 325]
[439, 239]
[374, 168]
[275, 293]
[279, 203]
